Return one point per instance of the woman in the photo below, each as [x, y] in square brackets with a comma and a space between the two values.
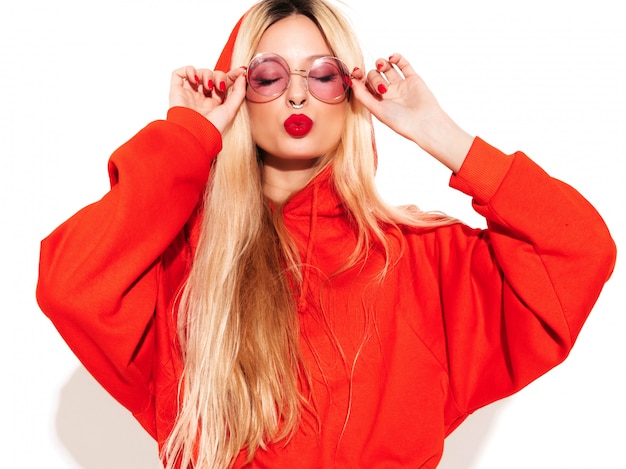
[247, 295]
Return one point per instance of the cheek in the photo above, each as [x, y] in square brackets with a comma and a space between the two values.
[260, 123]
[336, 121]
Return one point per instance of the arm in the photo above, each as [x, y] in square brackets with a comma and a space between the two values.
[403, 102]
[98, 270]
[515, 296]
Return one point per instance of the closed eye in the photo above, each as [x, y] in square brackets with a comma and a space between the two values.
[326, 78]
[260, 81]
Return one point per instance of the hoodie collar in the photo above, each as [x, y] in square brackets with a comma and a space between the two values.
[302, 213]
[318, 198]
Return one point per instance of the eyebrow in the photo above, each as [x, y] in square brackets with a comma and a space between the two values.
[310, 58]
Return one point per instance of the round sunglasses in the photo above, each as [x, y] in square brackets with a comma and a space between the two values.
[269, 76]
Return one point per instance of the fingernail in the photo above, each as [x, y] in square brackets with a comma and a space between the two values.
[196, 78]
[210, 85]
[382, 89]
[379, 66]
[390, 57]
[222, 86]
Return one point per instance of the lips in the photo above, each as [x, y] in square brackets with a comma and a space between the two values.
[298, 125]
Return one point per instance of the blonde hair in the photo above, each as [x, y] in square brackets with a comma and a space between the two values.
[244, 384]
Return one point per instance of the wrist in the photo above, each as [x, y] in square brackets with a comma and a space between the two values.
[199, 126]
[442, 138]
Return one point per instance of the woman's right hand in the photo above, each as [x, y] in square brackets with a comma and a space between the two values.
[207, 92]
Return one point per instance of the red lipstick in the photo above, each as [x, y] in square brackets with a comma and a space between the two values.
[298, 125]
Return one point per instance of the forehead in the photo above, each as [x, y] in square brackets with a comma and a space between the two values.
[294, 38]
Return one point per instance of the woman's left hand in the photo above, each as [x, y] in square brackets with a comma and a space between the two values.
[397, 96]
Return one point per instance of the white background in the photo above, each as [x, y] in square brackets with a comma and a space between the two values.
[77, 79]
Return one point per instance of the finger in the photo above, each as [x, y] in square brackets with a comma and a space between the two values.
[222, 115]
[357, 74]
[403, 64]
[233, 74]
[206, 80]
[179, 77]
[360, 87]
[363, 93]
[191, 74]
[186, 77]
[219, 79]
[376, 82]
[388, 70]
[238, 92]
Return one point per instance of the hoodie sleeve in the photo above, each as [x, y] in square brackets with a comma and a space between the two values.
[98, 274]
[515, 296]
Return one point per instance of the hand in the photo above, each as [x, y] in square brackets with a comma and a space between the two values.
[207, 92]
[398, 97]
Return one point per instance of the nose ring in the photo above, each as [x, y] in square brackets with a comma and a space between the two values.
[296, 106]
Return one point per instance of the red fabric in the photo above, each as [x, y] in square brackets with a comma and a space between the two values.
[223, 62]
[465, 317]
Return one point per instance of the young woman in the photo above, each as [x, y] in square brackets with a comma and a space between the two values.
[243, 290]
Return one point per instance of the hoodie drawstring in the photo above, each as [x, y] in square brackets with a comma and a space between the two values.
[306, 274]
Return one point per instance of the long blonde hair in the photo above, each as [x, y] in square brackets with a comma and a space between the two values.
[244, 384]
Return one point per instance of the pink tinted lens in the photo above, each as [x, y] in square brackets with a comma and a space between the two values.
[328, 79]
[268, 76]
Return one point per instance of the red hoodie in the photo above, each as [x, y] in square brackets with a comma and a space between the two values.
[465, 317]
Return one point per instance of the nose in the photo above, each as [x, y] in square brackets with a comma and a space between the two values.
[297, 91]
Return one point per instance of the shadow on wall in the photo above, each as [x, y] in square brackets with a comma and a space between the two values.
[100, 434]
[464, 447]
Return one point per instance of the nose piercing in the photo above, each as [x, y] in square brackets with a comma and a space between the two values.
[296, 106]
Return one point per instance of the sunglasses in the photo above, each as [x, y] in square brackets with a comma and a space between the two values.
[269, 76]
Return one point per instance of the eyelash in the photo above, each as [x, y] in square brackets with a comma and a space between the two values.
[326, 78]
[266, 81]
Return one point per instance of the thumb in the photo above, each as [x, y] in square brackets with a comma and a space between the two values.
[362, 94]
[222, 115]
[237, 94]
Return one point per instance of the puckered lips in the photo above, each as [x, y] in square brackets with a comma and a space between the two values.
[298, 125]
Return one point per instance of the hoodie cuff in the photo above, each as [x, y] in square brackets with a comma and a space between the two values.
[482, 171]
[206, 133]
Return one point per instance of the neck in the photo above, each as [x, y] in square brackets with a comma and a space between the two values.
[283, 177]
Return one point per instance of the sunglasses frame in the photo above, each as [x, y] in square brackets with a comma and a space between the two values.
[270, 56]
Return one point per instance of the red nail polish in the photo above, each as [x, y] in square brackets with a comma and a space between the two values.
[379, 66]
[356, 69]
[210, 85]
[382, 89]
[196, 78]
[222, 86]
